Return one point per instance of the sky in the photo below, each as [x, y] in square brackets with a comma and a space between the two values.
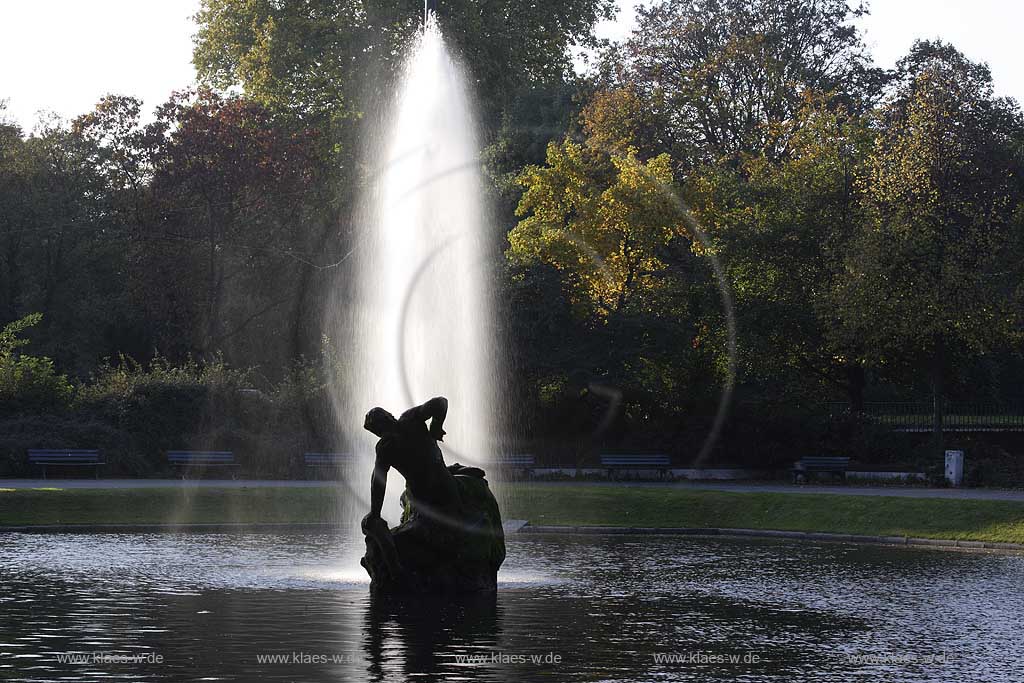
[61, 56]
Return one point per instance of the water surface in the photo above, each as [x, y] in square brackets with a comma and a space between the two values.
[244, 607]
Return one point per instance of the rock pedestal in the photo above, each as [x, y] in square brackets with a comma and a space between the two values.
[431, 551]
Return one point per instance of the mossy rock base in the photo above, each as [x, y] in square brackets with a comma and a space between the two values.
[459, 554]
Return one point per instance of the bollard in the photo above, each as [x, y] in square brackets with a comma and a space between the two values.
[955, 467]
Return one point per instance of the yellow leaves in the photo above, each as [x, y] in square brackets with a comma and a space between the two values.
[611, 119]
[601, 230]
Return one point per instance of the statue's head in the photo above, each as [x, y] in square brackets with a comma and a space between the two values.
[380, 422]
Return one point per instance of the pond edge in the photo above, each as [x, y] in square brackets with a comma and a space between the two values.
[948, 543]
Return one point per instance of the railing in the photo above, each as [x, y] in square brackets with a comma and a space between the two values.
[957, 417]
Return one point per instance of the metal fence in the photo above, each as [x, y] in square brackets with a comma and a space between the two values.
[905, 416]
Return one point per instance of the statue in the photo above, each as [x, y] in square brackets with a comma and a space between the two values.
[450, 539]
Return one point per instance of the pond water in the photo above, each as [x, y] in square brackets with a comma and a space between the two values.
[245, 607]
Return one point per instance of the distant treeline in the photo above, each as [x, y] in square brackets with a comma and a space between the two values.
[733, 197]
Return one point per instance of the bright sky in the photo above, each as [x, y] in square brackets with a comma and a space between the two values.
[63, 55]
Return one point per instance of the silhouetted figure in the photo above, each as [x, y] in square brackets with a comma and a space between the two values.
[450, 538]
[411, 448]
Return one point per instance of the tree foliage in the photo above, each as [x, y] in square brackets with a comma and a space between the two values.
[866, 225]
[603, 222]
[725, 77]
[937, 265]
[28, 383]
[315, 58]
[781, 230]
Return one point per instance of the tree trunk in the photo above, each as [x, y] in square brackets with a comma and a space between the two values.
[855, 383]
[938, 398]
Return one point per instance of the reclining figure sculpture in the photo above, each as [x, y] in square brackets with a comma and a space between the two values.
[450, 538]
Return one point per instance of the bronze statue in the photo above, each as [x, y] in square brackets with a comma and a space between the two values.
[450, 538]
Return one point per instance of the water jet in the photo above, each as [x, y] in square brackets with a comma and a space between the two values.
[418, 320]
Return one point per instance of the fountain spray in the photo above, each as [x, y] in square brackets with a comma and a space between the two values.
[429, 7]
[416, 320]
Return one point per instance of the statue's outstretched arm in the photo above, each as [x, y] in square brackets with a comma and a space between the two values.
[378, 485]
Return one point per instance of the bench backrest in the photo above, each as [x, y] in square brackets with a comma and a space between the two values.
[60, 456]
[517, 460]
[329, 458]
[824, 461]
[630, 460]
[201, 457]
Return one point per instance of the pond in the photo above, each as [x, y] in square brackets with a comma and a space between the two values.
[244, 607]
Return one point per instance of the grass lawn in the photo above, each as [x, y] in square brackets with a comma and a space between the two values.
[571, 504]
[168, 505]
[596, 504]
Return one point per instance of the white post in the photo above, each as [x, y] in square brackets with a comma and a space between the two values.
[955, 467]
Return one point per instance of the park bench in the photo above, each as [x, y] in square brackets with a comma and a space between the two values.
[328, 462]
[807, 465]
[521, 464]
[190, 460]
[65, 456]
[618, 461]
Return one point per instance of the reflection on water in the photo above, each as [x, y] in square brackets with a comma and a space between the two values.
[244, 607]
[404, 639]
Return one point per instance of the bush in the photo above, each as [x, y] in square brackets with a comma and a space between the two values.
[135, 413]
[28, 384]
[162, 407]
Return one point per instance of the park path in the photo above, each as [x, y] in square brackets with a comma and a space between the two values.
[734, 487]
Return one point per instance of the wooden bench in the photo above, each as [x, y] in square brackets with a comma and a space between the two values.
[65, 456]
[187, 460]
[322, 462]
[807, 465]
[517, 463]
[618, 461]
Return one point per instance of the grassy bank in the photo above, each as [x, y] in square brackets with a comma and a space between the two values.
[168, 505]
[975, 520]
[585, 504]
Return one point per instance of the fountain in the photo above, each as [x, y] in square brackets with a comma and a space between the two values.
[418, 320]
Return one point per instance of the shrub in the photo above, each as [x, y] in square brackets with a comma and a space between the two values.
[28, 384]
[163, 406]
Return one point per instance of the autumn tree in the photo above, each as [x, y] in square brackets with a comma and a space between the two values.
[610, 229]
[781, 230]
[232, 193]
[603, 223]
[936, 270]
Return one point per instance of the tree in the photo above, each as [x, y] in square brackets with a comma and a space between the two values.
[725, 77]
[602, 222]
[781, 229]
[17, 178]
[609, 228]
[936, 269]
[317, 58]
[28, 383]
[233, 193]
[59, 241]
